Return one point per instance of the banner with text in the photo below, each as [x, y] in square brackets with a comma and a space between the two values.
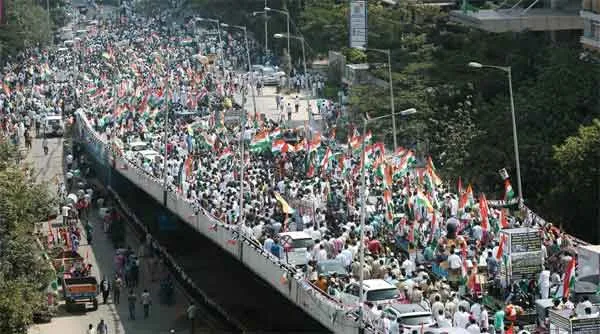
[358, 24]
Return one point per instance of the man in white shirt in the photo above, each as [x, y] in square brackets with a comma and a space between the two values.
[461, 318]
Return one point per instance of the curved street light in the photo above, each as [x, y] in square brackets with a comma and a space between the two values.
[507, 70]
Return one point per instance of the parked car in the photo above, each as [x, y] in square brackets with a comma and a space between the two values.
[412, 316]
[376, 291]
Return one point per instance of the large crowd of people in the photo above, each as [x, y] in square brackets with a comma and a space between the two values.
[132, 76]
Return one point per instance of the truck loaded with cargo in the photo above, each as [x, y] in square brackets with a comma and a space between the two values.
[80, 292]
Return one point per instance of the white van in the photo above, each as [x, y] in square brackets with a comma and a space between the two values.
[295, 247]
[376, 291]
[53, 125]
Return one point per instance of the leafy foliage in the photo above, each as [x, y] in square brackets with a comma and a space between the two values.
[578, 160]
[24, 273]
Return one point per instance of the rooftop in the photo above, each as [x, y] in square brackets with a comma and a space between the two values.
[534, 19]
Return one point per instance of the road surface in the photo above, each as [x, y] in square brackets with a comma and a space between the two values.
[100, 255]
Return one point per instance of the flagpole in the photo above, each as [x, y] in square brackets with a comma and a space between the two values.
[166, 136]
[362, 230]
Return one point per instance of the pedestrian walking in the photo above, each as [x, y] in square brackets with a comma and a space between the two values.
[117, 284]
[105, 289]
[91, 329]
[102, 328]
[131, 299]
[191, 313]
[289, 111]
[146, 302]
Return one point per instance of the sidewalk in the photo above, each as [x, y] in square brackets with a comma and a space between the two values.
[100, 254]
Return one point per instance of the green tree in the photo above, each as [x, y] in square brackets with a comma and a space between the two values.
[24, 274]
[26, 25]
[577, 193]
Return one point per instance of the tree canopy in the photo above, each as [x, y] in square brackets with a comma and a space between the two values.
[24, 274]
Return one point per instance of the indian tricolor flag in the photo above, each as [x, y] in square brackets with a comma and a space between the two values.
[509, 193]
[279, 146]
[431, 171]
[187, 41]
[484, 212]
[387, 176]
[368, 137]
[569, 281]
[314, 143]
[423, 201]
[501, 246]
[226, 154]
[260, 142]
[389, 208]
[276, 133]
[325, 161]
[210, 139]
[466, 200]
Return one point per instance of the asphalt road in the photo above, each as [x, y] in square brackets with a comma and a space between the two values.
[100, 254]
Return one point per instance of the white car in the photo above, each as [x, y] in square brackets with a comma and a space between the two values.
[53, 125]
[411, 316]
[376, 291]
[295, 247]
[133, 147]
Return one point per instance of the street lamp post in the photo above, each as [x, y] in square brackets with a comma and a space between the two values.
[363, 199]
[218, 23]
[264, 13]
[287, 16]
[391, 84]
[243, 121]
[302, 40]
[508, 71]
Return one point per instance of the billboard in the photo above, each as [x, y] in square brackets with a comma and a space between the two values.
[358, 24]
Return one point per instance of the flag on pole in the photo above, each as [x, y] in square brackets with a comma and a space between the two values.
[500, 251]
[569, 281]
[503, 219]
[508, 191]
[484, 212]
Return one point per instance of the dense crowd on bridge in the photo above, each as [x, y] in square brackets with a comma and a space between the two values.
[295, 179]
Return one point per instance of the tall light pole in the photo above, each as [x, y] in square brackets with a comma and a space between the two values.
[363, 187]
[218, 23]
[166, 130]
[391, 84]
[266, 28]
[508, 71]
[243, 120]
[287, 16]
[302, 40]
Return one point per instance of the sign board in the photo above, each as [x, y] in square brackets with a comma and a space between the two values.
[585, 325]
[560, 319]
[524, 253]
[233, 116]
[528, 240]
[525, 265]
[358, 24]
